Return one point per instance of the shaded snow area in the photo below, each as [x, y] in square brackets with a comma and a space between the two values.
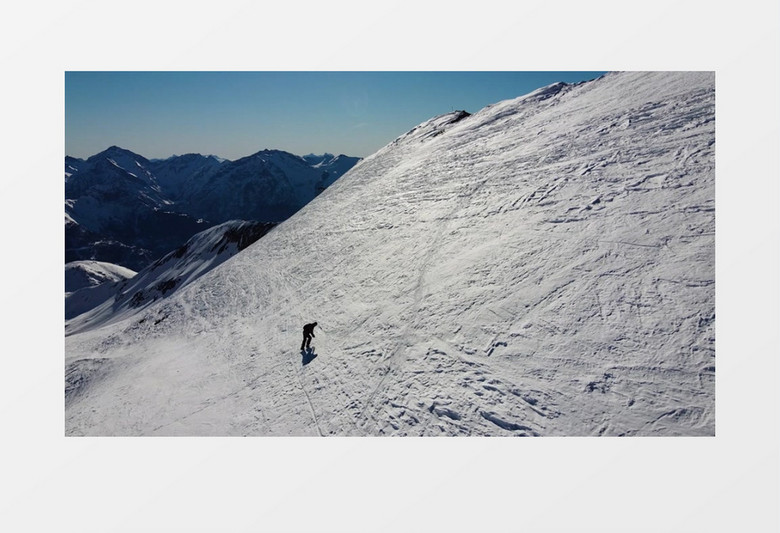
[544, 266]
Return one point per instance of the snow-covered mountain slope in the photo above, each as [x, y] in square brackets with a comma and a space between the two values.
[544, 266]
[89, 283]
[81, 274]
[203, 252]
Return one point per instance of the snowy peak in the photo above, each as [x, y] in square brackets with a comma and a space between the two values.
[124, 158]
[316, 160]
[331, 168]
[176, 174]
[131, 163]
[544, 93]
[329, 161]
[267, 185]
[110, 172]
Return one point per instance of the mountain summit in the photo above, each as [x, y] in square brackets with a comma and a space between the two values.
[544, 266]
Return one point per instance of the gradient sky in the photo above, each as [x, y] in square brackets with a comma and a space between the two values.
[235, 114]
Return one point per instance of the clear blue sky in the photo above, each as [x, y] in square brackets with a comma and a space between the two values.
[235, 114]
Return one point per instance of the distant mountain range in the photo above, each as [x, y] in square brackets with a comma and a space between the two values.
[125, 209]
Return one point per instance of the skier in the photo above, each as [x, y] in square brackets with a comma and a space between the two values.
[308, 334]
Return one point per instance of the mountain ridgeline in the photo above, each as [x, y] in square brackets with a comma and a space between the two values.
[125, 209]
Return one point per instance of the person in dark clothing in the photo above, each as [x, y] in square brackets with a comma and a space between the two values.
[308, 334]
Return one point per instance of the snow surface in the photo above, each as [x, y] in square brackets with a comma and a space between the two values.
[542, 267]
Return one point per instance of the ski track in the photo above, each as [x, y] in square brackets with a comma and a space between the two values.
[553, 275]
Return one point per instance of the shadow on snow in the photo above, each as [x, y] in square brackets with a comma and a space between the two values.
[307, 356]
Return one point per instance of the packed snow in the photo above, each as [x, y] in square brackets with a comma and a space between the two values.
[542, 267]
